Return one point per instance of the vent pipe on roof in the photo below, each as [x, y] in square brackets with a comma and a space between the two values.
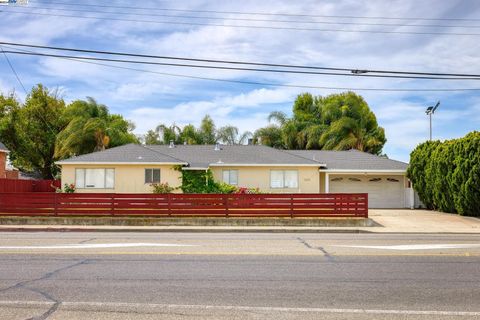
[217, 146]
[172, 145]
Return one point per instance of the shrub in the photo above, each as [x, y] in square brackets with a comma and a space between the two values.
[244, 190]
[69, 188]
[446, 174]
[162, 188]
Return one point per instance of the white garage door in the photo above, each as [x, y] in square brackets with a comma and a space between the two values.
[383, 191]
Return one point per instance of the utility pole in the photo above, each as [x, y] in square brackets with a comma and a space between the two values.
[430, 111]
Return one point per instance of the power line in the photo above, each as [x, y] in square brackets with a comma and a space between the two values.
[243, 26]
[238, 68]
[352, 70]
[13, 70]
[39, 114]
[272, 84]
[256, 13]
[257, 20]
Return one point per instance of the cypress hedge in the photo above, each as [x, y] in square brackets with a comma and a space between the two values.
[446, 175]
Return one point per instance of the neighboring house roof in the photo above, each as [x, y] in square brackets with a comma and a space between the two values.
[3, 148]
[204, 156]
[351, 160]
[129, 153]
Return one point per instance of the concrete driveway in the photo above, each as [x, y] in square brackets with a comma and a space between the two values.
[422, 221]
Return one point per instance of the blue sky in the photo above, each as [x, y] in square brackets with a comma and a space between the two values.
[149, 99]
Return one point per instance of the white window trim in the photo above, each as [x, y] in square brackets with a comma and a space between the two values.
[283, 182]
[104, 178]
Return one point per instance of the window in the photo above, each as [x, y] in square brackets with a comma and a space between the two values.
[152, 175]
[95, 178]
[230, 177]
[375, 179]
[392, 180]
[354, 179]
[336, 179]
[284, 179]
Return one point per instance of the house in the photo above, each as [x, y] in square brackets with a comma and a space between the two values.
[5, 171]
[132, 168]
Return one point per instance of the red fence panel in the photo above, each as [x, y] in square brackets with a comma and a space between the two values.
[194, 205]
[18, 185]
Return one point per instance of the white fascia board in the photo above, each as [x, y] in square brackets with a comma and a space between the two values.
[261, 165]
[356, 171]
[5, 151]
[194, 168]
[118, 163]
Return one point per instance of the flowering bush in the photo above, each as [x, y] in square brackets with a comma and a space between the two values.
[69, 188]
[244, 190]
[162, 188]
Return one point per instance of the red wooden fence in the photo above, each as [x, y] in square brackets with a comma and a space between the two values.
[17, 185]
[226, 205]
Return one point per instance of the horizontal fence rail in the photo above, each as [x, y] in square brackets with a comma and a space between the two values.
[18, 185]
[176, 205]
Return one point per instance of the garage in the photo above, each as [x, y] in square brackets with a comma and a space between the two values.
[384, 191]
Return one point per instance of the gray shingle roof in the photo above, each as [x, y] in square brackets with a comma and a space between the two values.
[127, 153]
[350, 160]
[3, 147]
[203, 156]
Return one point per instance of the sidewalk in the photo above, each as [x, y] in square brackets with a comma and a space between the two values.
[387, 221]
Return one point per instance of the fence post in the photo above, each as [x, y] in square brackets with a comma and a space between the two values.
[55, 204]
[169, 209]
[366, 206]
[225, 202]
[291, 206]
[112, 204]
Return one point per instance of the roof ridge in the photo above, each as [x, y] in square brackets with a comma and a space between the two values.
[145, 146]
[296, 155]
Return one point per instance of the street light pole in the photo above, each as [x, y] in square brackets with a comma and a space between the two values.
[430, 111]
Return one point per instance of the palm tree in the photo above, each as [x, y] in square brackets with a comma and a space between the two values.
[91, 128]
[230, 135]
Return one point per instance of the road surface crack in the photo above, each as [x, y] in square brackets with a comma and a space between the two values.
[87, 240]
[321, 249]
[27, 286]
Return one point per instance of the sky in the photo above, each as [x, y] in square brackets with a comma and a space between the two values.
[150, 98]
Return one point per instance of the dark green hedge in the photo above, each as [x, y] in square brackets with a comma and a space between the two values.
[446, 174]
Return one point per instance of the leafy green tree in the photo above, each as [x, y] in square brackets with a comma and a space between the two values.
[30, 130]
[270, 136]
[207, 131]
[152, 137]
[190, 135]
[335, 122]
[92, 128]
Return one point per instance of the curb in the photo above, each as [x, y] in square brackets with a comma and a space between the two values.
[178, 230]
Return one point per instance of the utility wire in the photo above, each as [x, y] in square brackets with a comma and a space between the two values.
[257, 20]
[253, 13]
[352, 70]
[9, 11]
[13, 70]
[39, 114]
[270, 84]
[241, 68]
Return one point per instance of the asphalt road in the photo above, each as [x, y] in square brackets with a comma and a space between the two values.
[238, 276]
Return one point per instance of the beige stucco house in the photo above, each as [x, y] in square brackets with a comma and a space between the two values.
[133, 168]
